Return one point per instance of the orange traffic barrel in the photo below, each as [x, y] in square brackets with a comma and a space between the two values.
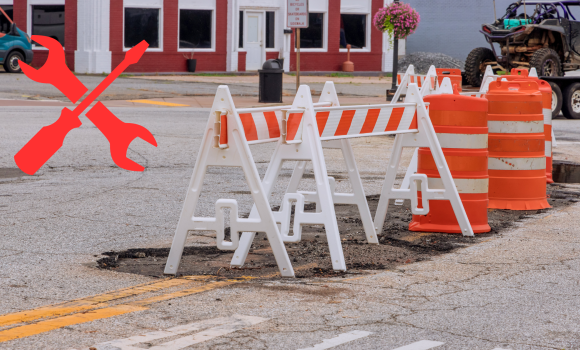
[453, 74]
[546, 90]
[461, 126]
[517, 164]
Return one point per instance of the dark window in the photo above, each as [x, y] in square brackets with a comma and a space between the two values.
[241, 30]
[195, 29]
[353, 31]
[4, 22]
[141, 24]
[313, 36]
[48, 20]
[270, 29]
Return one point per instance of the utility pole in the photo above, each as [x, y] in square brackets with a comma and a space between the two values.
[297, 58]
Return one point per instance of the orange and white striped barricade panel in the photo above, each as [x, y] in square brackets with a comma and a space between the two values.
[403, 82]
[427, 83]
[224, 144]
[423, 136]
[357, 197]
[303, 146]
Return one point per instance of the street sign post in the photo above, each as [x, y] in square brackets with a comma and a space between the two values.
[297, 18]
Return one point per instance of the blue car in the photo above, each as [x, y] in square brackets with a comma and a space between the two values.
[15, 45]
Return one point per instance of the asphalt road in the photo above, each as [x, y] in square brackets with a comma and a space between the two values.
[514, 291]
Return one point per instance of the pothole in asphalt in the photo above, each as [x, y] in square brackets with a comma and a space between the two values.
[566, 172]
[311, 257]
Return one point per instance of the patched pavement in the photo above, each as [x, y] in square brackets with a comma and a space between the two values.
[513, 290]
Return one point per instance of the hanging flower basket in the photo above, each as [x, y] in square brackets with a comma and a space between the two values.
[398, 19]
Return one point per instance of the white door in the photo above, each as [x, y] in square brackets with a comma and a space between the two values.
[254, 37]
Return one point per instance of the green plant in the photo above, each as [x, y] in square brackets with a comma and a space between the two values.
[341, 75]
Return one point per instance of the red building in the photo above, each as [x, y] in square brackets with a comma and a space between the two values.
[222, 35]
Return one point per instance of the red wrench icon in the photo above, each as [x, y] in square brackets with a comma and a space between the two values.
[51, 137]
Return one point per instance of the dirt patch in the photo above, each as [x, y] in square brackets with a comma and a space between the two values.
[311, 258]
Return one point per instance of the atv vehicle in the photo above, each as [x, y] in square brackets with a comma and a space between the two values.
[548, 40]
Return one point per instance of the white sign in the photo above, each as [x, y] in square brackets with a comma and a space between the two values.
[297, 14]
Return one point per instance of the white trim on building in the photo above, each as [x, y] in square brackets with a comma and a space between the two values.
[29, 5]
[198, 5]
[359, 7]
[93, 53]
[155, 4]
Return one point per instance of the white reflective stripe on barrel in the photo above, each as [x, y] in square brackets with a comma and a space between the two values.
[462, 185]
[469, 141]
[536, 163]
[548, 148]
[515, 127]
[547, 116]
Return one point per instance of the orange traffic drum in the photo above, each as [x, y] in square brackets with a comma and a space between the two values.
[453, 74]
[461, 126]
[517, 164]
[546, 90]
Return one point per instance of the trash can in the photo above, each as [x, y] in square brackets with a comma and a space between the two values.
[271, 81]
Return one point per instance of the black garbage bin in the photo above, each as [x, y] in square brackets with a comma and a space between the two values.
[271, 81]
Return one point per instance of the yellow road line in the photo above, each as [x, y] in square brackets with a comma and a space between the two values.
[93, 315]
[160, 103]
[88, 303]
[96, 307]
[49, 325]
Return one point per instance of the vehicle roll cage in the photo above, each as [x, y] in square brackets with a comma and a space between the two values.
[543, 9]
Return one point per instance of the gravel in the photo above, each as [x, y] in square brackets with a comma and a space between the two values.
[423, 60]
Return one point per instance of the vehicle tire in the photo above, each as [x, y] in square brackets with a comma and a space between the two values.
[556, 100]
[475, 65]
[547, 63]
[571, 102]
[11, 64]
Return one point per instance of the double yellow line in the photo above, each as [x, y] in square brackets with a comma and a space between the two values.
[100, 306]
[48, 318]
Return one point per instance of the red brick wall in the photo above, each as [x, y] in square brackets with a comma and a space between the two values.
[272, 55]
[70, 25]
[70, 32]
[242, 61]
[170, 60]
[332, 59]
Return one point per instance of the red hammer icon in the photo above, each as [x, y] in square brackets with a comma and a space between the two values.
[51, 137]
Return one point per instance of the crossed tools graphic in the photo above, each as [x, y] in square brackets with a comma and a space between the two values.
[51, 137]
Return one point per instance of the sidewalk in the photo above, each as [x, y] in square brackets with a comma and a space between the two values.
[189, 101]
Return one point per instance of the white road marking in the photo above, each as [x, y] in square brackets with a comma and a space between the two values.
[421, 345]
[341, 339]
[223, 326]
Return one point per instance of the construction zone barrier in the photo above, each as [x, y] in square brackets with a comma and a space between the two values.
[410, 78]
[461, 126]
[299, 131]
[546, 90]
[517, 165]
[453, 74]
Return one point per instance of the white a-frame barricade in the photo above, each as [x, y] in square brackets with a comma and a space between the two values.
[424, 137]
[224, 144]
[303, 145]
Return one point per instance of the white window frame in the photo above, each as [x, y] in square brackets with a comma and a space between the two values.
[29, 17]
[324, 35]
[276, 19]
[150, 4]
[367, 47]
[186, 6]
